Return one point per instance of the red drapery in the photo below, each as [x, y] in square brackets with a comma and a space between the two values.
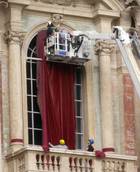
[55, 84]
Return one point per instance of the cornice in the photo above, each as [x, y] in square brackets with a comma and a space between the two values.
[70, 7]
[65, 10]
[73, 11]
[20, 2]
[107, 13]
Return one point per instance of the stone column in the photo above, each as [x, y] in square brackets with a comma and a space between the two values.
[90, 102]
[13, 37]
[103, 49]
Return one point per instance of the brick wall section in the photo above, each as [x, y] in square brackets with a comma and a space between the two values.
[129, 115]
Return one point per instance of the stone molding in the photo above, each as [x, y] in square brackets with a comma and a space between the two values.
[14, 37]
[59, 2]
[4, 3]
[104, 47]
[90, 9]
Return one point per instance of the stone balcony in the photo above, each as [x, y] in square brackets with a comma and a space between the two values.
[33, 159]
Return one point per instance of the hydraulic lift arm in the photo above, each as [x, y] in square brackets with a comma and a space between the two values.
[130, 61]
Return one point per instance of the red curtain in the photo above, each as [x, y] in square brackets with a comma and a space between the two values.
[56, 98]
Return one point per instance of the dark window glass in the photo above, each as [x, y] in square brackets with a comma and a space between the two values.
[28, 70]
[34, 53]
[34, 88]
[78, 76]
[29, 103]
[37, 121]
[33, 43]
[78, 125]
[78, 92]
[37, 137]
[29, 52]
[30, 136]
[78, 108]
[34, 70]
[29, 120]
[29, 87]
[36, 108]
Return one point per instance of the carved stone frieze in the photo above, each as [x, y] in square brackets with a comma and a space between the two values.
[104, 47]
[59, 2]
[66, 2]
[4, 3]
[14, 37]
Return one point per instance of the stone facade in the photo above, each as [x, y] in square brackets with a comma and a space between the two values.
[111, 104]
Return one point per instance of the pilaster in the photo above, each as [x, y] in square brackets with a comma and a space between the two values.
[103, 50]
[103, 24]
[14, 39]
[90, 108]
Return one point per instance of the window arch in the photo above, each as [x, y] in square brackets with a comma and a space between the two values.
[34, 116]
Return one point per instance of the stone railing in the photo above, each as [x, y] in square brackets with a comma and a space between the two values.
[31, 159]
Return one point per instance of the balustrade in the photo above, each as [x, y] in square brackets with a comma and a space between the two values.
[32, 159]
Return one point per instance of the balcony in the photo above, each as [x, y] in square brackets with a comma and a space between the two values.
[33, 159]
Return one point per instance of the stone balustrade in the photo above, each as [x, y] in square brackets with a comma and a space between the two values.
[33, 159]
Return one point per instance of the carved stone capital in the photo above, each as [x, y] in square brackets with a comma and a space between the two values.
[103, 48]
[4, 3]
[14, 37]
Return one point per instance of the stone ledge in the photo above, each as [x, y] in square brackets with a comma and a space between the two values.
[71, 152]
[25, 2]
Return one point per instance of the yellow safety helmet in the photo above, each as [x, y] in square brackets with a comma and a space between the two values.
[62, 142]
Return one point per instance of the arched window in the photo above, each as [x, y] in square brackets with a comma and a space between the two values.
[34, 116]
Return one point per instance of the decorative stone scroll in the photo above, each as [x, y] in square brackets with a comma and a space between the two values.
[14, 37]
[4, 3]
[57, 19]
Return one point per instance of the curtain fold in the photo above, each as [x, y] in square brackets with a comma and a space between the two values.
[55, 83]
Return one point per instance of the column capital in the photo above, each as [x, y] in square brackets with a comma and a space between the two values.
[14, 37]
[4, 3]
[104, 47]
